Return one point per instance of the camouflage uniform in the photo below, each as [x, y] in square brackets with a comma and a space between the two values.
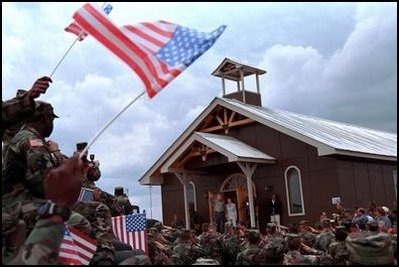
[323, 240]
[123, 201]
[294, 256]
[112, 203]
[13, 113]
[42, 245]
[339, 252]
[253, 253]
[186, 252]
[212, 243]
[26, 162]
[370, 248]
[231, 248]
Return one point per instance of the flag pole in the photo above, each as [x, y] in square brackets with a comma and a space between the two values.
[109, 123]
[150, 202]
[69, 49]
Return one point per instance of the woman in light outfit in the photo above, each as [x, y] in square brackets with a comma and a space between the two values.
[231, 212]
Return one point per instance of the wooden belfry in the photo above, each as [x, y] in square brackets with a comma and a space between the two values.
[235, 71]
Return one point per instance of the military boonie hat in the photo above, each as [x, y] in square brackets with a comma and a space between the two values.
[43, 108]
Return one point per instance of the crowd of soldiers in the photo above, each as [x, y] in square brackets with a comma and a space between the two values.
[41, 185]
[348, 239]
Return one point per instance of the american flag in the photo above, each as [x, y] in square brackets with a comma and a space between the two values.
[131, 229]
[78, 31]
[86, 194]
[158, 52]
[76, 248]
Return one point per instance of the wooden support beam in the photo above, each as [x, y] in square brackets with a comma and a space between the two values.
[233, 124]
[219, 120]
[231, 117]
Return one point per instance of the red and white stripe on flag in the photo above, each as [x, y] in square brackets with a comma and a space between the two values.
[77, 30]
[131, 229]
[76, 248]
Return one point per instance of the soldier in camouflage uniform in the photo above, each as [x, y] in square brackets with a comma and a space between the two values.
[42, 245]
[337, 249]
[27, 160]
[325, 238]
[231, 247]
[186, 252]
[211, 241]
[251, 255]
[370, 248]
[294, 256]
[123, 200]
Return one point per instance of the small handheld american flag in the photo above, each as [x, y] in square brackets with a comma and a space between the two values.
[76, 248]
[131, 229]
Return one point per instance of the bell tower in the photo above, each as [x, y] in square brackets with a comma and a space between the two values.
[236, 72]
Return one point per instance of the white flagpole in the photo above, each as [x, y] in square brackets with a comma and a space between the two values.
[150, 202]
[69, 49]
[109, 123]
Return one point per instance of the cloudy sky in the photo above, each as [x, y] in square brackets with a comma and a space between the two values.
[331, 60]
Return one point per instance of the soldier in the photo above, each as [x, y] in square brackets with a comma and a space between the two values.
[43, 243]
[15, 110]
[337, 249]
[325, 238]
[370, 248]
[123, 200]
[186, 252]
[92, 169]
[211, 241]
[294, 256]
[27, 161]
[251, 255]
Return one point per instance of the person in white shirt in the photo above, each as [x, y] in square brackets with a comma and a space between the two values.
[231, 212]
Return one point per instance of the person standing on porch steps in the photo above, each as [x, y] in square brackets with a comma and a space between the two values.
[274, 209]
[231, 212]
[219, 207]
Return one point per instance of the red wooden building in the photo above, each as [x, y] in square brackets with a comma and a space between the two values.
[246, 151]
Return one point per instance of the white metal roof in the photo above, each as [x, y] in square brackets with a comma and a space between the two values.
[329, 137]
[336, 135]
[232, 148]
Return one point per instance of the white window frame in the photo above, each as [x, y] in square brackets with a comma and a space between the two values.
[195, 195]
[300, 189]
[395, 181]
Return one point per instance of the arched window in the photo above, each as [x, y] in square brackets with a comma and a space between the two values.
[191, 196]
[293, 185]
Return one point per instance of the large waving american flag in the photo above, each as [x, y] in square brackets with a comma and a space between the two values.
[76, 248]
[131, 229]
[158, 52]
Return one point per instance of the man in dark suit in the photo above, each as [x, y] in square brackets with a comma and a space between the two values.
[273, 209]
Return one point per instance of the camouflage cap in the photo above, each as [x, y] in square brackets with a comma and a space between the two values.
[43, 108]
[370, 248]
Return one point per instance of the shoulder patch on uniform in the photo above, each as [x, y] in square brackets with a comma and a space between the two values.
[36, 142]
